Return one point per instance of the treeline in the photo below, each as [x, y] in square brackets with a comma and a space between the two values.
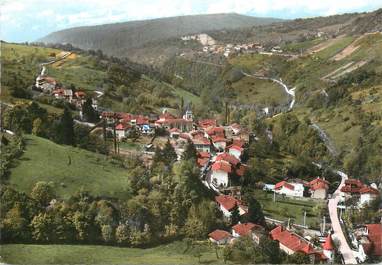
[165, 202]
[30, 118]
[285, 148]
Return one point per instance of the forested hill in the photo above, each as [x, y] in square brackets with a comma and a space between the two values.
[112, 38]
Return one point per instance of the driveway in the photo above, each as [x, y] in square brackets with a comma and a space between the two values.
[338, 234]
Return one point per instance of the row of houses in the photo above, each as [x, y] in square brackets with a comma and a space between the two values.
[355, 188]
[289, 241]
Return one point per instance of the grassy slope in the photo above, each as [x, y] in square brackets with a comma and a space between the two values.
[255, 91]
[45, 160]
[285, 208]
[77, 254]
[79, 70]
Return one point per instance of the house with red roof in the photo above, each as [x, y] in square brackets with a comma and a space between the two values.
[227, 203]
[228, 158]
[203, 159]
[220, 172]
[220, 237]
[235, 150]
[248, 229]
[329, 248]
[121, 130]
[201, 143]
[367, 195]
[289, 189]
[219, 142]
[291, 243]
[369, 237]
[318, 188]
[236, 128]
[207, 123]
[169, 121]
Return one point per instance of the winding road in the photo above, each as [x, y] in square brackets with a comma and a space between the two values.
[290, 92]
[344, 248]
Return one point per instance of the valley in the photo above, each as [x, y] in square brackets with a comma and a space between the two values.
[195, 144]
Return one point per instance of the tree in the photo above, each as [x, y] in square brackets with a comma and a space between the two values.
[107, 233]
[14, 225]
[270, 251]
[65, 130]
[37, 127]
[169, 154]
[122, 234]
[255, 213]
[298, 258]
[42, 227]
[235, 215]
[190, 152]
[88, 112]
[43, 192]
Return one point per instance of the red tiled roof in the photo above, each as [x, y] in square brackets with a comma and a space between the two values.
[318, 183]
[202, 161]
[141, 120]
[218, 138]
[228, 202]
[201, 141]
[174, 130]
[216, 131]
[235, 147]
[238, 142]
[184, 136]
[284, 184]
[244, 228]
[328, 245]
[219, 235]
[229, 158]
[204, 154]
[120, 127]
[207, 123]
[368, 189]
[291, 240]
[222, 166]
[375, 236]
[80, 94]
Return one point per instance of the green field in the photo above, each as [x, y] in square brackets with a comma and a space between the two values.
[256, 91]
[70, 169]
[285, 208]
[173, 253]
[79, 70]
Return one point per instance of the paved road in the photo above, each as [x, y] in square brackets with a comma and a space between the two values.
[338, 234]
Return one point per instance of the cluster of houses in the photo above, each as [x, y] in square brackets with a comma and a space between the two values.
[355, 188]
[231, 49]
[317, 188]
[50, 86]
[289, 241]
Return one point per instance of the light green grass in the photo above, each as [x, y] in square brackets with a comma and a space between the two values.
[285, 208]
[77, 254]
[79, 70]
[256, 91]
[44, 160]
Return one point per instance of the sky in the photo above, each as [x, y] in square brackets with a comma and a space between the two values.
[29, 20]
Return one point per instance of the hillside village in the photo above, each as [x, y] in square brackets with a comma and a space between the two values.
[220, 149]
[188, 175]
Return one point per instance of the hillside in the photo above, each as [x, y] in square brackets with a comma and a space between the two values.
[70, 169]
[117, 39]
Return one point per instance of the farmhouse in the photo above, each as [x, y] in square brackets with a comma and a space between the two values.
[318, 188]
[235, 150]
[368, 194]
[220, 237]
[290, 189]
[291, 243]
[227, 203]
[220, 173]
[369, 237]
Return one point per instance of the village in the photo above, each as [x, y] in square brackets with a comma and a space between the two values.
[219, 150]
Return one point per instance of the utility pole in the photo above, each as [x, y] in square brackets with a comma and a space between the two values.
[304, 218]
[115, 136]
[274, 196]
